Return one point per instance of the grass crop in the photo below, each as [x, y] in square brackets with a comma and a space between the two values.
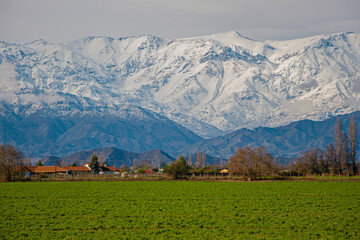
[180, 210]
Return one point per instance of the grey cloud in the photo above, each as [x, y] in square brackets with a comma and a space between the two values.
[66, 20]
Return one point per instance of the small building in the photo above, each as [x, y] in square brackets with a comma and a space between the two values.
[87, 165]
[77, 169]
[109, 170]
[224, 170]
[105, 169]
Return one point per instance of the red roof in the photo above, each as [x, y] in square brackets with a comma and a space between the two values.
[48, 169]
[148, 171]
[77, 169]
[55, 169]
[108, 169]
[113, 169]
[31, 168]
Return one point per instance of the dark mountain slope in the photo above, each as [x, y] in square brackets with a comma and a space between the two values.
[285, 141]
[112, 156]
[45, 133]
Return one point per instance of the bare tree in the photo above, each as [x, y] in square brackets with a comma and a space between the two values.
[308, 161]
[315, 160]
[251, 162]
[323, 164]
[221, 165]
[352, 134]
[64, 163]
[330, 158]
[77, 162]
[9, 159]
[203, 160]
[338, 143]
[345, 152]
[157, 161]
[198, 162]
[135, 163]
[190, 160]
[145, 163]
[102, 159]
[27, 161]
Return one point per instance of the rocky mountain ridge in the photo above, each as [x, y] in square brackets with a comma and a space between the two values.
[210, 84]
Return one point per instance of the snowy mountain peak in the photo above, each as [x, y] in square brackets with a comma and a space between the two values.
[228, 37]
[210, 84]
[38, 42]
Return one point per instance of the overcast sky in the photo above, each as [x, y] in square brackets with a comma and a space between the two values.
[66, 20]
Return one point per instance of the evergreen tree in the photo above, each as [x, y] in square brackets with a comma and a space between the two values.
[94, 164]
[39, 164]
[177, 169]
[163, 164]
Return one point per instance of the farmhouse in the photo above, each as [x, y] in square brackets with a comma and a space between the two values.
[52, 170]
[109, 170]
[77, 169]
[47, 169]
[104, 169]
[29, 170]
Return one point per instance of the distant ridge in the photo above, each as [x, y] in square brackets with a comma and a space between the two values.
[118, 157]
[285, 142]
[112, 156]
[45, 133]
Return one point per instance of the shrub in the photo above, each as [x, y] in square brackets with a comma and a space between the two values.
[140, 170]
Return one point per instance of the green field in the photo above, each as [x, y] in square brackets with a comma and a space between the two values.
[180, 210]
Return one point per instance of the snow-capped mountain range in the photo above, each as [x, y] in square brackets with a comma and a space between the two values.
[210, 84]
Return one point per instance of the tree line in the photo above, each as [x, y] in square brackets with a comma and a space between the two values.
[339, 157]
[248, 161]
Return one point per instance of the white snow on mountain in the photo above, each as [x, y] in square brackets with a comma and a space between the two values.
[210, 84]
